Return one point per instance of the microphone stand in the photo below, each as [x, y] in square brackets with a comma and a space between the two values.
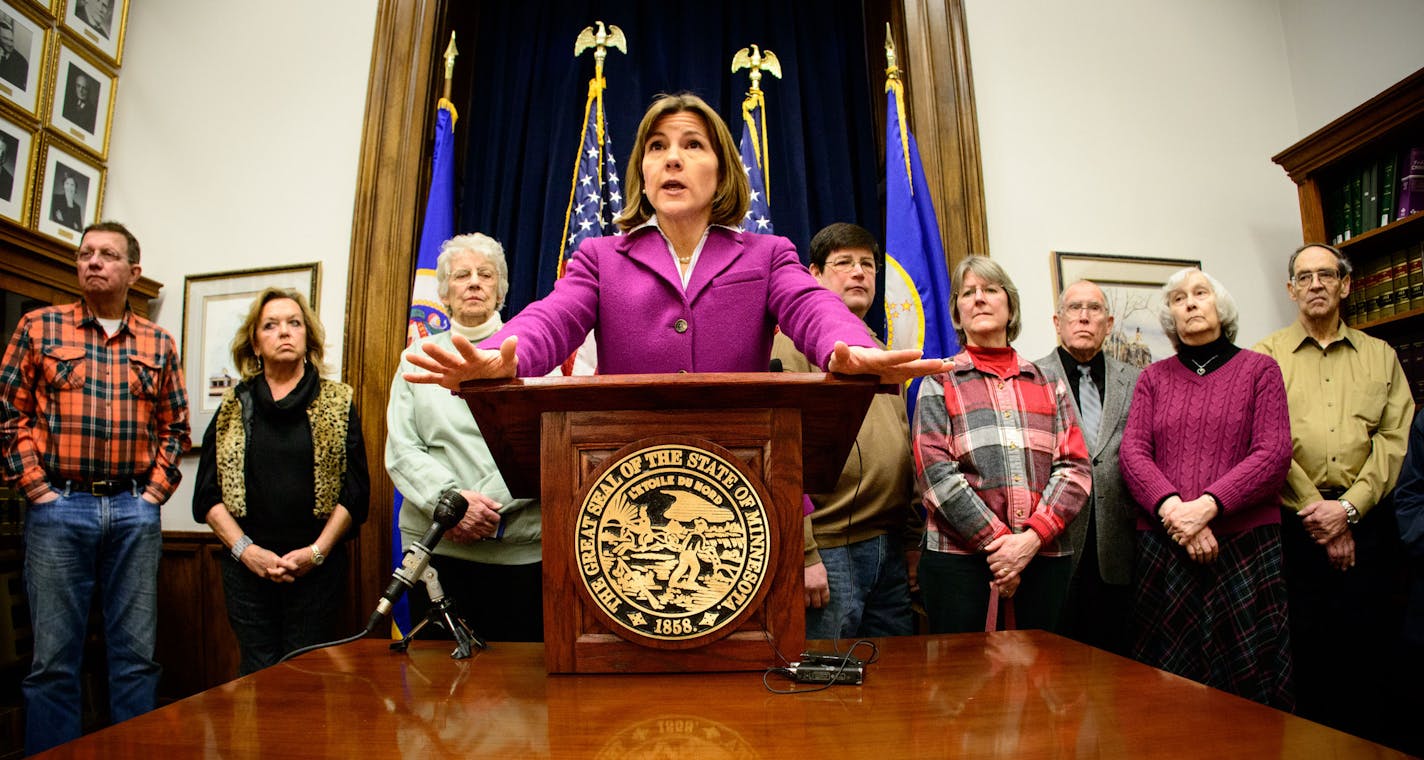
[443, 613]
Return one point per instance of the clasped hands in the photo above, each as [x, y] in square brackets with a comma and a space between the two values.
[450, 368]
[285, 568]
[1008, 556]
[1186, 524]
[1327, 523]
[481, 520]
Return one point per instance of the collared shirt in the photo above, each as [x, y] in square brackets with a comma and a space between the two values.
[1097, 367]
[997, 455]
[79, 404]
[686, 274]
[1350, 410]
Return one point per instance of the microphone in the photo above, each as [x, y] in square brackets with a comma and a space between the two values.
[776, 365]
[449, 510]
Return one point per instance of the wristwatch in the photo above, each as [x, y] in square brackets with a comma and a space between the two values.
[1352, 515]
[317, 556]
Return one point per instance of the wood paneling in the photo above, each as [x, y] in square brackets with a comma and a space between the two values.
[196, 646]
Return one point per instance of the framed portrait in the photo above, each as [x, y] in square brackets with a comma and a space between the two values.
[71, 192]
[23, 43]
[214, 306]
[17, 154]
[100, 23]
[83, 100]
[1133, 287]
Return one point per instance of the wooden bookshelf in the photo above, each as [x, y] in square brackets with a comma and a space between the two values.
[1389, 122]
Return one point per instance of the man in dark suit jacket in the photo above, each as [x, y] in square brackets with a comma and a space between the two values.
[1104, 535]
[14, 67]
[81, 104]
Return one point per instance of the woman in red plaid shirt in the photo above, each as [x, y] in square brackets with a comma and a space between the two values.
[1003, 469]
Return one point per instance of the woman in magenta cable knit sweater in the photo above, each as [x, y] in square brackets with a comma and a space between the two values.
[1205, 453]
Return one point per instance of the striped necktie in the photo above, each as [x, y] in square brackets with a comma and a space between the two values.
[1090, 406]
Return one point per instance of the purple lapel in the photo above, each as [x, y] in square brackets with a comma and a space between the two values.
[721, 249]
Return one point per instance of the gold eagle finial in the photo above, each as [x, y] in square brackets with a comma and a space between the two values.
[600, 41]
[757, 60]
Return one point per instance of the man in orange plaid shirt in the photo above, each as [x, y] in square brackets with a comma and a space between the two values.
[93, 422]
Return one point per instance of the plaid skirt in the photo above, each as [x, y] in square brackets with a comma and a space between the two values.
[1223, 624]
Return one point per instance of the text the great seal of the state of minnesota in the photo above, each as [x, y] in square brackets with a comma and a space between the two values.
[672, 542]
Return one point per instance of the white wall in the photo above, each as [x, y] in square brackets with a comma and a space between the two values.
[1136, 127]
[237, 131]
[1344, 53]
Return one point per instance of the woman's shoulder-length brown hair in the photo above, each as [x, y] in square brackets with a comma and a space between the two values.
[733, 196]
[245, 356]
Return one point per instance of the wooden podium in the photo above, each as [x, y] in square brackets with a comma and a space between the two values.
[654, 489]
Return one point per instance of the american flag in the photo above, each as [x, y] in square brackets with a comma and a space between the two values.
[595, 200]
[596, 196]
[758, 218]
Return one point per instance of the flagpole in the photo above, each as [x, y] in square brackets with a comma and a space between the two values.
[598, 41]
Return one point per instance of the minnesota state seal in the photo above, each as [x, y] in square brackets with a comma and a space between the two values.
[673, 543]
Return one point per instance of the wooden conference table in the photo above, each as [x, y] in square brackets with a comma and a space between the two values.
[1016, 694]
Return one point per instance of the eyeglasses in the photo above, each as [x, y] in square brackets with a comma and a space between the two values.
[1091, 308]
[107, 255]
[1327, 277]
[846, 264]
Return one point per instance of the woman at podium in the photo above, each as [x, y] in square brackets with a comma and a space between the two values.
[684, 289]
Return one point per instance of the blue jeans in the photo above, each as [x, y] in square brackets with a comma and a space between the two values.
[870, 592]
[70, 544]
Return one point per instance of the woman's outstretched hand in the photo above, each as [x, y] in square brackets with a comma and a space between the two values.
[893, 367]
[450, 368]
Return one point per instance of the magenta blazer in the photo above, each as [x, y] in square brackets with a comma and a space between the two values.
[628, 291]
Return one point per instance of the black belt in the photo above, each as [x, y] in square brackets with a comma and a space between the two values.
[1332, 494]
[103, 487]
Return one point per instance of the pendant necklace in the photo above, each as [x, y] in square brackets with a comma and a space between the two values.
[1201, 366]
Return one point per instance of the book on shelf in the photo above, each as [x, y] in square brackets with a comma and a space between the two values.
[1411, 196]
[1369, 196]
[1375, 292]
[1411, 183]
[1389, 187]
[1416, 275]
[1357, 205]
[1399, 280]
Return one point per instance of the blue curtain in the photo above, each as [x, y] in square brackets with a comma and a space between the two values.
[521, 125]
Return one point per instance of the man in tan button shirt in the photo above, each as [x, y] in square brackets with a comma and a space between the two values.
[1350, 411]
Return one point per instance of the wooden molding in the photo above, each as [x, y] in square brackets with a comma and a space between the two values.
[1375, 118]
[400, 102]
[940, 100]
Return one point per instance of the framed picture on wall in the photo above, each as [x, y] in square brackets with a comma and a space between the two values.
[83, 100]
[71, 192]
[214, 306]
[1132, 285]
[17, 153]
[22, 56]
[100, 23]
